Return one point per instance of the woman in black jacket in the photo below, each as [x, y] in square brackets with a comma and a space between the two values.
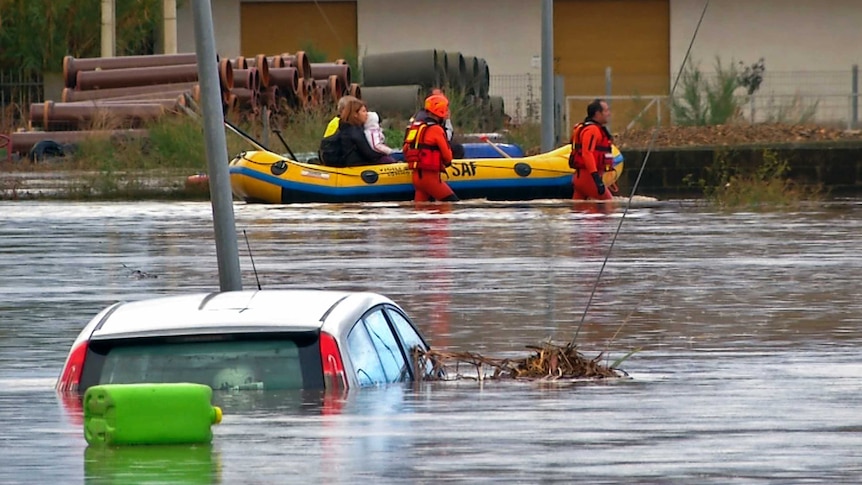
[355, 149]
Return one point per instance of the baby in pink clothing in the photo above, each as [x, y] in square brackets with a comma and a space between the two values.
[374, 135]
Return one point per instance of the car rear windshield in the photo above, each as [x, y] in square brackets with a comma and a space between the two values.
[223, 362]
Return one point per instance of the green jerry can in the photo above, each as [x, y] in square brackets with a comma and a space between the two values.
[149, 414]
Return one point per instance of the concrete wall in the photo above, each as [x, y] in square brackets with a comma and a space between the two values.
[791, 35]
[225, 23]
[808, 46]
[833, 168]
[507, 33]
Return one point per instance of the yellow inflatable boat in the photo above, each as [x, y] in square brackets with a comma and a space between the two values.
[266, 177]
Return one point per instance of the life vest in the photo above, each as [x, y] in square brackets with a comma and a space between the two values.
[417, 154]
[603, 146]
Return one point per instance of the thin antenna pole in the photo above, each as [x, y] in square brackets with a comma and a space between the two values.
[251, 258]
[638, 179]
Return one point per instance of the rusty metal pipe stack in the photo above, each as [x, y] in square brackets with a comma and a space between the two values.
[70, 95]
[52, 116]
[72, 65]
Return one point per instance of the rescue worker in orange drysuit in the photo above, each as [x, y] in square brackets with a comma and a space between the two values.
[591, 153]
[428, 153]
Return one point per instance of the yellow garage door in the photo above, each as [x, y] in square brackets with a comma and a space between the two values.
[327, 28]
[631, 37]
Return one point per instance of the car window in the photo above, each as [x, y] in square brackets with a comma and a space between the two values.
[232, 364]
[390, 352]
[409, 336]
[363, 356]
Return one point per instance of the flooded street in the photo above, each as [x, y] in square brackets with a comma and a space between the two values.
[749, 326]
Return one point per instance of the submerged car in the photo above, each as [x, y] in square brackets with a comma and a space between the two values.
[265, 339]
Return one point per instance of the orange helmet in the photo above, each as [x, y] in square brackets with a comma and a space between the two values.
[437, 105]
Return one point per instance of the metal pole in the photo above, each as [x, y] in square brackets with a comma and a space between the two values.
[855, 101]
[547, 75]
[109, 28]
[227, 251]
[264, 117]
[559, 120]
[169, 8]
[608, 84]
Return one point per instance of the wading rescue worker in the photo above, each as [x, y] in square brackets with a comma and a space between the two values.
[457, 148]
[591, 153]
[428, 153]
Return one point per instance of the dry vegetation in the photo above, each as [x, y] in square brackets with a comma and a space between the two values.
[734, 134]
[547, 361]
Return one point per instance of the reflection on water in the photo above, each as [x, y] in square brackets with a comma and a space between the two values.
[748, 325]
[152, 464]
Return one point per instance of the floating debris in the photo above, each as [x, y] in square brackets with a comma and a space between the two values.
[548, 361]
[140, 275]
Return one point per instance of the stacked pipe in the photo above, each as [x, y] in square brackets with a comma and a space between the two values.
[129, 92]
[395, 83]
[121, 91]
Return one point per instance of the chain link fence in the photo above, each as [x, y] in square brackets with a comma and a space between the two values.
[822, 97]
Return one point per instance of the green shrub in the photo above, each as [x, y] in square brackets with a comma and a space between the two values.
[37, 34]
[768, 184]
[708, 101]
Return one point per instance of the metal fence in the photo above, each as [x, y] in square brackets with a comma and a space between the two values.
[17, 91]
[823, 97]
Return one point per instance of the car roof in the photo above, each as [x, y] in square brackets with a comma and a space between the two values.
[234, 311]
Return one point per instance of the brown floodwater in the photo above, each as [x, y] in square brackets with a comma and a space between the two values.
[747, 325]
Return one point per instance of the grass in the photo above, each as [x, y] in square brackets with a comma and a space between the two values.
[767, 185]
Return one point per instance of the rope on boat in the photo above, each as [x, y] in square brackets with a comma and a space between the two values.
[638, 179]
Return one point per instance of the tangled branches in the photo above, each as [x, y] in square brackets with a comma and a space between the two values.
[548, 361]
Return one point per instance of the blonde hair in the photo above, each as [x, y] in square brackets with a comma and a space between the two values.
[350, 113]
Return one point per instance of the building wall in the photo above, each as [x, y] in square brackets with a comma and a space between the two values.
[506, 33]
[323, 29]
[808, 47]
[226, 24]
[792, 35]
[595, 61]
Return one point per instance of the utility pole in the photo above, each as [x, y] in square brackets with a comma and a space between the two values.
[227, 251]
[109, 28]
[169, 8]
[548, 75]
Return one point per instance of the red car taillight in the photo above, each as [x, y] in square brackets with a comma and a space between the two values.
[71, 375]
[333, 367]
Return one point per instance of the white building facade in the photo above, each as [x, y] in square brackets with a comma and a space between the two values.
[630, 49]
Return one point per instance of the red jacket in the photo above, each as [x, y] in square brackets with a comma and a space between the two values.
[591, 147]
